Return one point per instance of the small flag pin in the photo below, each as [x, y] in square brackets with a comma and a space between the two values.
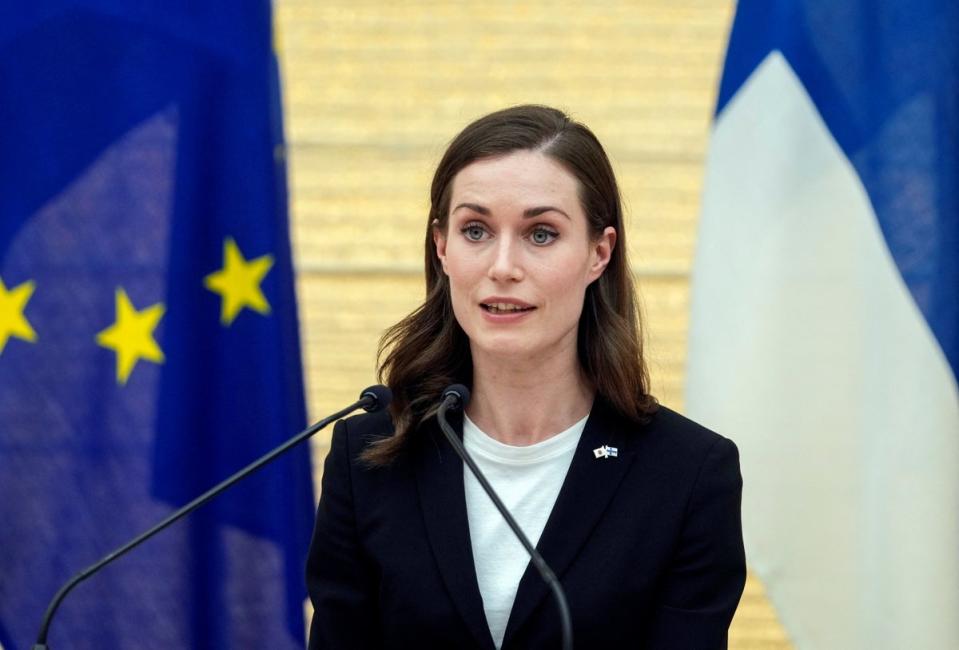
[606, 452]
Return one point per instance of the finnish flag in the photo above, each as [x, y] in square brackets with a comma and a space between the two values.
[824, 334]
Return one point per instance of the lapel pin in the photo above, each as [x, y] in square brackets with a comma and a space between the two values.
[606, 452]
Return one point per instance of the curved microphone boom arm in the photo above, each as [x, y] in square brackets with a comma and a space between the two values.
[373, 398]
[455, 397]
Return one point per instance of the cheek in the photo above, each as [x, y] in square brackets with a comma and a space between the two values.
[563, 273]
[565, 285]
[462, 277]
[572, 302]
[462, 271]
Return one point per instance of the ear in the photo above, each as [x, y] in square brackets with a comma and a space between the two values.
[601, 252]
[439, 240]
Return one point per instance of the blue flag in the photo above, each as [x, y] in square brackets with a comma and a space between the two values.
[825, 312]
[148, 327]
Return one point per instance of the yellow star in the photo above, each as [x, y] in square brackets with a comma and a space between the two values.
[12, 320]
[238, 282]
[131, 336]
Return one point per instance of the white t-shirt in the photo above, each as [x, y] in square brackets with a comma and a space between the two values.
[528, 480]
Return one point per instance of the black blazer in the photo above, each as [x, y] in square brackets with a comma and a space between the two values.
[648, 545]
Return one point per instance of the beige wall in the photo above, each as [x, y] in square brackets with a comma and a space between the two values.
[374, 90]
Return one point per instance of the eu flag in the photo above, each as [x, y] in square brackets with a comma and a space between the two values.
[148, 327]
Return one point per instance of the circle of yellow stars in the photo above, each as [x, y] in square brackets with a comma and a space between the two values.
[131, 335]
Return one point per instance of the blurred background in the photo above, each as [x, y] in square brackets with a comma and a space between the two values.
[373, 92]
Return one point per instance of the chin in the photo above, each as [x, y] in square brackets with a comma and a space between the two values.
[516, 347]
[503, 344]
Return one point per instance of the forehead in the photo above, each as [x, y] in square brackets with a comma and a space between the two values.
[520, 176]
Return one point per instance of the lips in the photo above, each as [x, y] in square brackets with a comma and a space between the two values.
[505, 306]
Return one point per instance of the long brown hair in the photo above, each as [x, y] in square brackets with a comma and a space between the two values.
[428, 350]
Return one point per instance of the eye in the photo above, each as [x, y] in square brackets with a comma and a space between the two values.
[474, 231]
[542, 235]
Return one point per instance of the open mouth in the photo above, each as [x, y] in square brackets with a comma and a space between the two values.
[504, 308]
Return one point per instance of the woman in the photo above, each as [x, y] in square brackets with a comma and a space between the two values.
[530, 302]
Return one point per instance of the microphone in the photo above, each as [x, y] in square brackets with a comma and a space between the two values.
[455, 397]
[372, 399]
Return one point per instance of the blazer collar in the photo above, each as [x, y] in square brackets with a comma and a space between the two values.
[587, 491]
[439, 480]
[589, 486]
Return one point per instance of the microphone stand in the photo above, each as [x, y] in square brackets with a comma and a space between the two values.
[455, 397]
[371, 399]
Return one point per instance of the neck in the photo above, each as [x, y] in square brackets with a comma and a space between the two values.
[522, 402]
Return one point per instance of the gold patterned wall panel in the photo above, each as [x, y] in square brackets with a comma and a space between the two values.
[374, 90]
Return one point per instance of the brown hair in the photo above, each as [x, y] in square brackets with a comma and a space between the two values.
[428, 350]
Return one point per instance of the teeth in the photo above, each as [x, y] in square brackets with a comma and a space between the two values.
[505, 306]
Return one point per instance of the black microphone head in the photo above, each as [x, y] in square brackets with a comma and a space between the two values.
[380, 397]
[462, 394]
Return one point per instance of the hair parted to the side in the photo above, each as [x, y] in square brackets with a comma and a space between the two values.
[427, 351]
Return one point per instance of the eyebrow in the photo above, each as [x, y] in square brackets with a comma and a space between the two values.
[528, 213]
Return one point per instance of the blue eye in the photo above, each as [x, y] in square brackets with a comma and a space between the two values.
[542, 236]
[473, 232]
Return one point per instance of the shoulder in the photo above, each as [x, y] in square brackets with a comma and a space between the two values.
[676, 444]
[709, 459]
[355, 433]
[346, 470]
[668, 428]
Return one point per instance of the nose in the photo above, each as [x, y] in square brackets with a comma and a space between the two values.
[506, 265]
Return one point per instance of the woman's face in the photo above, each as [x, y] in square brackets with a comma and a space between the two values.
[518, 255]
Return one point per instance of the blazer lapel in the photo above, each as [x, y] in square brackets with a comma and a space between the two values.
[439, 479]
[589, 486]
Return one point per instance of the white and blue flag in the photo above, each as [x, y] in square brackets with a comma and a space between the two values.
[825, 312]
